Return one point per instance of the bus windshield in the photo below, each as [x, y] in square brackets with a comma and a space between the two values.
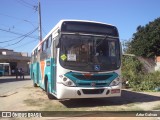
[89, 53]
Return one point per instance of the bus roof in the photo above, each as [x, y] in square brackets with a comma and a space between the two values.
[5, 63]
[58, 25]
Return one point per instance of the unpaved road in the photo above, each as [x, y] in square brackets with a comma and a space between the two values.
[9, 83]
[27, 98]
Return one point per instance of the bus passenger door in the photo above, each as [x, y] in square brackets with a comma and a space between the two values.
[38, 65]
[54, 65]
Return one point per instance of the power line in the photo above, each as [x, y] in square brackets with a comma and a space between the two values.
[13, 26]
[24, 4]
[35, 2]
[14, 38]
[9, 16]
[28, 5]
[16, 18]
[27, 43]
[6, 26]
[22, 38]
[14, 43]
[16, 33]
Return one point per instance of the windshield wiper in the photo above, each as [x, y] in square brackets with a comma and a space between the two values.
[106, 37]
[102, 40]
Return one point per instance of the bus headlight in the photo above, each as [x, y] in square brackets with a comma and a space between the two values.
[64, 79]
[115, 82]
[67, 82]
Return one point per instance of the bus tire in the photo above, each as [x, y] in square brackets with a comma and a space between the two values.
[35, 85]
[50, 96]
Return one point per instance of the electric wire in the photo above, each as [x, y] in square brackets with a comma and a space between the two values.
[14, 38]
[25, 4]
[27, 43]
[21, 38]
[16, 33]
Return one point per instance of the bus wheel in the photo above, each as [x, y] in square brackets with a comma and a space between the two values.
[50, 96]
[34, 84]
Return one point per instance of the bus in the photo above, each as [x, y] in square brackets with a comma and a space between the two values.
[78, 59]
[4, 69]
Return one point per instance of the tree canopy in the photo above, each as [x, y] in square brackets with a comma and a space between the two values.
[146, 40]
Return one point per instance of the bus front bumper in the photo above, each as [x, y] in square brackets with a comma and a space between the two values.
[65, 92]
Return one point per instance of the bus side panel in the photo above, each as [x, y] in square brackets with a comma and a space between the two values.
[41, 73]
[48, 72]
[54, 75]
[35, 72]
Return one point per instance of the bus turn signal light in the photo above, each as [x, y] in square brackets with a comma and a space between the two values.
[113, 91]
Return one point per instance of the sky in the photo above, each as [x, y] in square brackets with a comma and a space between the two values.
[19, 18]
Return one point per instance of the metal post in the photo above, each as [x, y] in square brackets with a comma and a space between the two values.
[40, 26]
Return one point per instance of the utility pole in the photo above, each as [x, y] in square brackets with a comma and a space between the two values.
[39, 17]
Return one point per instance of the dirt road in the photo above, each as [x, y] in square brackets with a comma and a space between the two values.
[9, 84]
[28, 98]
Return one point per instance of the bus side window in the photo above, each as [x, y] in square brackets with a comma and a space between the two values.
[41, 47]
[44, 46]
[54, 48]
[112, 49]
[48, 47]
[34, 56]
[46, 43]
[49, 41]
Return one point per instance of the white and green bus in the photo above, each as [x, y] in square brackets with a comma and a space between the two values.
[4, 69]
[78, 59]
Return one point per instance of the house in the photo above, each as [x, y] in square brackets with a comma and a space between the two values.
[15, 59]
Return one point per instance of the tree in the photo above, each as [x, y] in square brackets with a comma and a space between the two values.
[146, 41]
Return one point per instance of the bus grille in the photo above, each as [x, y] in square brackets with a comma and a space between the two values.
[92, 91]
[89, 84]
[91, 80]
[93, 77]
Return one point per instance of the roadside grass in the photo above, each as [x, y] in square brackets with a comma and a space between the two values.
[131, 104]
[134, 108]
[39, 101]
[61, 110]
[44, 104]
[156, 107]
[57, 106]
[33, 102]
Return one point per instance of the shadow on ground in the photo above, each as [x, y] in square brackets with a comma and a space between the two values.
[126, 98]
[12, 79]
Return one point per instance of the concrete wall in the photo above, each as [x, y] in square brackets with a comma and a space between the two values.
[24, 65]
[157, 60]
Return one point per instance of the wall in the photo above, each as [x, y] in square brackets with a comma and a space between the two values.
[157, 60]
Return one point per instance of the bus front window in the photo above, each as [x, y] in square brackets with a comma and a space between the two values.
[84, 52]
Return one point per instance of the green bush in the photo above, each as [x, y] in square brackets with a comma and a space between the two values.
[150, 81]
[132, 71]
